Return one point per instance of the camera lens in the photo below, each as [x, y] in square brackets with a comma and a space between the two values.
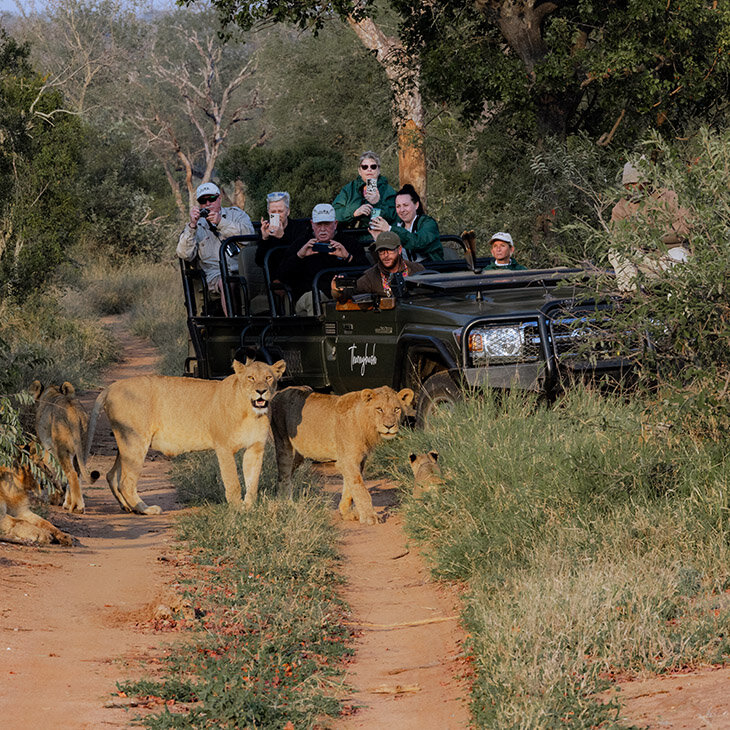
[204, 212]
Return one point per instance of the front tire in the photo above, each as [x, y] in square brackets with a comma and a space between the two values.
[438, 393]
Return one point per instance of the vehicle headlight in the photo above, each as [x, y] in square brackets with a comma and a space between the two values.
[496, 344]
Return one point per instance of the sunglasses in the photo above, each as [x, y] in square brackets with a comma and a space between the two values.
[207, 199]
[369, 167]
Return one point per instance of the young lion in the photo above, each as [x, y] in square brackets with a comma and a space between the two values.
[21, 525]
[177, 415]
[426, 472]
[61, 425]
[342, 428]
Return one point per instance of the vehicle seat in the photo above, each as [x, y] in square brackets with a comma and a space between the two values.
[255, 280]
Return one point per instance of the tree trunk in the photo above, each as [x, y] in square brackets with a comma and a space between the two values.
[404, 74]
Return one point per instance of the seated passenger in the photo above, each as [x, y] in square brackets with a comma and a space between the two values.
[502, 249]
[355, 203]
[303, 260]
[377, 279]
[277, 229]
[418, 232]
[210, 224]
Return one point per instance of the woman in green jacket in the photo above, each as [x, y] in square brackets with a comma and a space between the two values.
[418, 232]
[355, 203]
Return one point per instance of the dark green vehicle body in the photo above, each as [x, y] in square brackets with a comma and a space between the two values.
[428, 339]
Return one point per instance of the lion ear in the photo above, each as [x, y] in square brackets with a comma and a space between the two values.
[367, 395]
[238, 366]
[36, 388]
[68, 389]
[434, 455]
[279, 367]
[412, 457]
[407, 396]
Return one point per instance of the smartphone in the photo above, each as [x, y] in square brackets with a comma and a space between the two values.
[375, 214]
[275, 220]
[371, 185]
[321, 247]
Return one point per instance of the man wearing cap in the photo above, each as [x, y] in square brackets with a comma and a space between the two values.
[210, 224]
[377, 279]
[304, 260]
[502, 249]
[653, 208]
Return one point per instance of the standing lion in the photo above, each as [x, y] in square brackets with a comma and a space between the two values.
[61, 424]
[175, 415]
[341, 428]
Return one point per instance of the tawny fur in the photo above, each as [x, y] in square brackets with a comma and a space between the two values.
[427, 475]
[343, 428]
[177, 415]
[61, 425]
[17, 522]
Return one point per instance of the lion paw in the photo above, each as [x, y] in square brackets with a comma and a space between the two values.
[369, 519]
[153, 509]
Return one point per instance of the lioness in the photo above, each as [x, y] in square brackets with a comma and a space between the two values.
[426, 472]
[176, 415]
[343, 428]
[61, 424]
[21, 525]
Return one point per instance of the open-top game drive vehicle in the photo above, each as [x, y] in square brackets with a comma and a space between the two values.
[451, 327]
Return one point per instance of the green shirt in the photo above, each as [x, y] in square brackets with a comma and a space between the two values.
[351, 197]
[424, 241]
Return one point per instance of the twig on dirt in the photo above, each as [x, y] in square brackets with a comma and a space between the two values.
[411, 669]
[388, 627]
[397, 689]
[402, 555]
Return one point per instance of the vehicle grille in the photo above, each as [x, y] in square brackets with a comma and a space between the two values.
[581, 335]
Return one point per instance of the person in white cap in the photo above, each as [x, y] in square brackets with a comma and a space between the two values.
[657, 209]
[502, 249]
[210, 224]
[302, 261]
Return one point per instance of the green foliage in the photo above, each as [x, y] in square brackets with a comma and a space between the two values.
[685, 312]
[580, 66]
[267, 641]
[310, 171]
[592, 542]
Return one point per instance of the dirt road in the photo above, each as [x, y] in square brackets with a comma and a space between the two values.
[74, 621]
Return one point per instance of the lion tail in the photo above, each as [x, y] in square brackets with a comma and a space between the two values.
[93, 418]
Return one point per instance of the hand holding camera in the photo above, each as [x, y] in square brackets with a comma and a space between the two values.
[322, 247]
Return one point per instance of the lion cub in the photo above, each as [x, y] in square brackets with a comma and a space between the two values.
[17, 522]
[61, 425]
[427, 475]
[340, 428]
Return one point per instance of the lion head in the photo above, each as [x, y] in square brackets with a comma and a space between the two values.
[387, 408]
[259, 380]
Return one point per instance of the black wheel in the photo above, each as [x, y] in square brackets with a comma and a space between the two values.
[438, 393]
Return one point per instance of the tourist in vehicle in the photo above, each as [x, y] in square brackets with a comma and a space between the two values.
[369, 192]
[210, 224]
[503, 249]
[276, 228]
[303, 261]
[418, 232]
[377, 279]
[645, 206]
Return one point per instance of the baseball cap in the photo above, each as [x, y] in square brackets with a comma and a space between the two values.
[388, 240]
[323, 213]
[502, 236]
[207, 188]
[631, 174]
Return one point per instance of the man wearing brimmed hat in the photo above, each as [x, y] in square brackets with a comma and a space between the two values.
[302, 261]
[650, 208]
[502, 249]
[377, 279]
[210, 224]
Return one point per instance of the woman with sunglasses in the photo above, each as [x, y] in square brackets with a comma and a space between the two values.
[356, 201]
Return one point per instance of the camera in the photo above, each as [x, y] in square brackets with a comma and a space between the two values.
[321, 247]
[204, 212]
[397, 285]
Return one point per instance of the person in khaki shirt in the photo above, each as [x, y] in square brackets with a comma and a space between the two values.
[657, 207]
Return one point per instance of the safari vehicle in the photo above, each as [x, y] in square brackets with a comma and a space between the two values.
[452, 327]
